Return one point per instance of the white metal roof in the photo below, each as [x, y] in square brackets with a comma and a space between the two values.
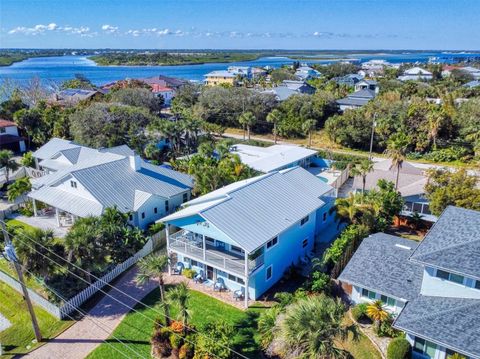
[272, 158]
[253, 212]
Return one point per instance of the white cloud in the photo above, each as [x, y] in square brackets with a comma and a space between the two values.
[41, 29]
[110, 29]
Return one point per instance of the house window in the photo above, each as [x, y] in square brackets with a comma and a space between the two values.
[305, 243]
[455, 278]
[304, 220]
[155, 210]
[236, 249]
[477, 284]
[368, 294]
[185, 197]
[424, 347]
[272, 242]
[3, 130]
[193, 263]
[166, 206]
[73, 184]
[325, 216]
[130, 217]
[408, 206]
[426, 209]
[232, 278]
[387, 300]
[269, 273]
[143, 215]
[417, 207]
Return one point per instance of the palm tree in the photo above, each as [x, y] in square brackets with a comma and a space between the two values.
[18, 188]
[311, 328]
[275, 116]
[266, 325]
[362, 169]
[7, 162]
[435, 120]
[347, 209]
[33, 246]
[150, 267]
[397, 149]
[308, 127]
[180, 295]
[247, 119]
[377, 313]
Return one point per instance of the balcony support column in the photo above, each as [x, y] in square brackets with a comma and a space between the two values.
[246, 280]
[204, 248]
[167, 236]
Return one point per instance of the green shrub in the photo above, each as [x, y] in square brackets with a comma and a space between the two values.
[320, 282]
[449, 154]
[359, 311]
[176, 341]
[399, 348]
[154, 228]
[385, 329]
[189, 273]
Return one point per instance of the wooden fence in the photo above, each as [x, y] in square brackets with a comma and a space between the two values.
[61, 311]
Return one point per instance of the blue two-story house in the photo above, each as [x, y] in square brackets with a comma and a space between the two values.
[432, 288]
[250, 232]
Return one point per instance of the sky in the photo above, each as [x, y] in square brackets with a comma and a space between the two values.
[246, 24]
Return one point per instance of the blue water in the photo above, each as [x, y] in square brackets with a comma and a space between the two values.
[62, 68]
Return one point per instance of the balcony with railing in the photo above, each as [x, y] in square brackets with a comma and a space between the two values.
[192, 245]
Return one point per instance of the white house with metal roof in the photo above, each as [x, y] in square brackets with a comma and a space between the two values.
[431, 287]
[416, 74]
[80, 181]
[247, 234]
[273, 158]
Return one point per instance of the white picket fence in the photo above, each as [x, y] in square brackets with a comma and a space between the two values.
[72, 304]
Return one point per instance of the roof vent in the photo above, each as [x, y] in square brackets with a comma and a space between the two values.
[403, 247]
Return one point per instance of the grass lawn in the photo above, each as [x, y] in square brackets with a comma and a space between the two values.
[136, 330]
[16, 223]
[18, 337]
[361, 349]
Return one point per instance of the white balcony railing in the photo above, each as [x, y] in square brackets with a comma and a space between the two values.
[191, 245]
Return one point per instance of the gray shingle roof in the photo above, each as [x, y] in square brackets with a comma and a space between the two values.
[450, 322]
[453, 243]
[347, 101]
[254, 211]
[381, 264]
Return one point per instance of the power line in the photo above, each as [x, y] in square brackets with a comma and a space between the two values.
[118, 290]
[90, 318]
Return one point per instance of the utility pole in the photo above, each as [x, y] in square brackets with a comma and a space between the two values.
[12, 257]
[374, 124]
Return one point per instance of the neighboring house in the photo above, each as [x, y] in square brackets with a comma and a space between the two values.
[166, 92]
[367, 85]
[472, 84]
[81, 181]
[305, 73]
[165, 81]
[349, 80]
[473, 71]
[249, 233]
[416, 74]
[220, 77]
[432, 287]
[411, 185]
[356, 99]
[241, 71]
[273, 158]
[289, 88]
[71, 97]
[258, 72]
[9, 137]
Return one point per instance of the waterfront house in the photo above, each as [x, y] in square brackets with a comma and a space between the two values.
[432, 288]
[249, 233]
[349, 80]
[411, 185]
[79, 181]
[220, 77]
[71, 97]
[166, 92]
[416, 74]
[164, 81]
[9, 137]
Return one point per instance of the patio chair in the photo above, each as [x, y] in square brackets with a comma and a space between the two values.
[178, 268]
[219, 285]
[200, 277]
[239, 294]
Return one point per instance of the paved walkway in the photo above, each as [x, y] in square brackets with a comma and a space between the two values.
[84, 336]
